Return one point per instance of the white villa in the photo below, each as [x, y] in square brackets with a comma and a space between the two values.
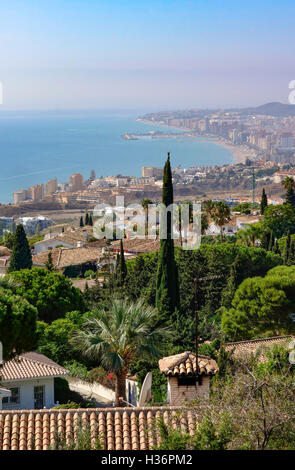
[237, 222]
[27, 382]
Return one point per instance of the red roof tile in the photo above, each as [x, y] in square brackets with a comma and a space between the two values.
[30, 365]
[185, 364]
[115, 428]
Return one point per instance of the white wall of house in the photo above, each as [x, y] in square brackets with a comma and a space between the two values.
[214, 229]
[46, 245]
[97, 390]
[26, 393]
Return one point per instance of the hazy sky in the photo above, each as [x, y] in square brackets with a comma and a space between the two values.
[148, 55]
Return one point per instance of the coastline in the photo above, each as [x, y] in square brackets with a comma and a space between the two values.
[239, 152]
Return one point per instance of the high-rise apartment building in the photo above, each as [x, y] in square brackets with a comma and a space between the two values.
[21, 195]
[148, 171]
[36, 192]
[51, 186]
[76, 181]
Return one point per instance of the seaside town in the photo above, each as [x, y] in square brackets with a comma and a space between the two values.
[147, 257]
[74, 291]
[261, 139]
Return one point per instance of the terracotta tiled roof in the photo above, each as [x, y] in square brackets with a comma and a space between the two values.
[62, 257]
[116, 428]
[139, 245]
[246, 348]
[185, 364]
[30, 365]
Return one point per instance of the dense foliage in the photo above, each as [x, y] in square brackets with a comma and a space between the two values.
[262, 306]
[52, 293]
[17, 324]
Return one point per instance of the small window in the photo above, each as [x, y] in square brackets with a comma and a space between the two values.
[187, 381]
[14, 399]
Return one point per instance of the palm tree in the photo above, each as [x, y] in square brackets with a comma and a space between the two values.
[288, 182]
[250, 235]
[116, 337]
[221, 215]
[145, 204]
[8, 282]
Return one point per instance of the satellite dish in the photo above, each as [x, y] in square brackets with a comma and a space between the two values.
[146, 390]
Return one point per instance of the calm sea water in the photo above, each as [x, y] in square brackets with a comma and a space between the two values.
[38, 146]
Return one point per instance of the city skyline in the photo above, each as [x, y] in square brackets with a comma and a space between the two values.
[147, 55]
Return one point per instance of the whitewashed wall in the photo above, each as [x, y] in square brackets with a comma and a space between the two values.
[27, 393]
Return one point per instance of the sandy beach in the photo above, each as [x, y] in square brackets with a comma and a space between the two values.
[240, 152]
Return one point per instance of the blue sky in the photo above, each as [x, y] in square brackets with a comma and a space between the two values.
[145, 54]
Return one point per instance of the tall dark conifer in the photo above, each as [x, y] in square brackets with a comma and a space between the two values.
[121, 268]
[271, 242]
[264, 203]
[289, 185]
[21, 257]
[287, 249]
[49, 263]
[167, 289]
[81, 222]
[292, 252]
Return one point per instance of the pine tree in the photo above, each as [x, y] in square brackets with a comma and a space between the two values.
[49, 264]
[86, 219]
[264, 202]
[81, 222]
[167, 288]
[21, 257]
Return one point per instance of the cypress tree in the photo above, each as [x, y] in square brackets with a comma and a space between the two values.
[121, 270]
[276, 249]
[49, 264]
[292, 252]
[90, 220]
[21, 256]
[290, 196]
[167, 289]
[264, 203]
[289, 185]
[271, 242]
[86, 219]
[287, 249]
[265, 239]
[81, 222]
[232, 284]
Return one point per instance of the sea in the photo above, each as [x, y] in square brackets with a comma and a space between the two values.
[37, 146]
